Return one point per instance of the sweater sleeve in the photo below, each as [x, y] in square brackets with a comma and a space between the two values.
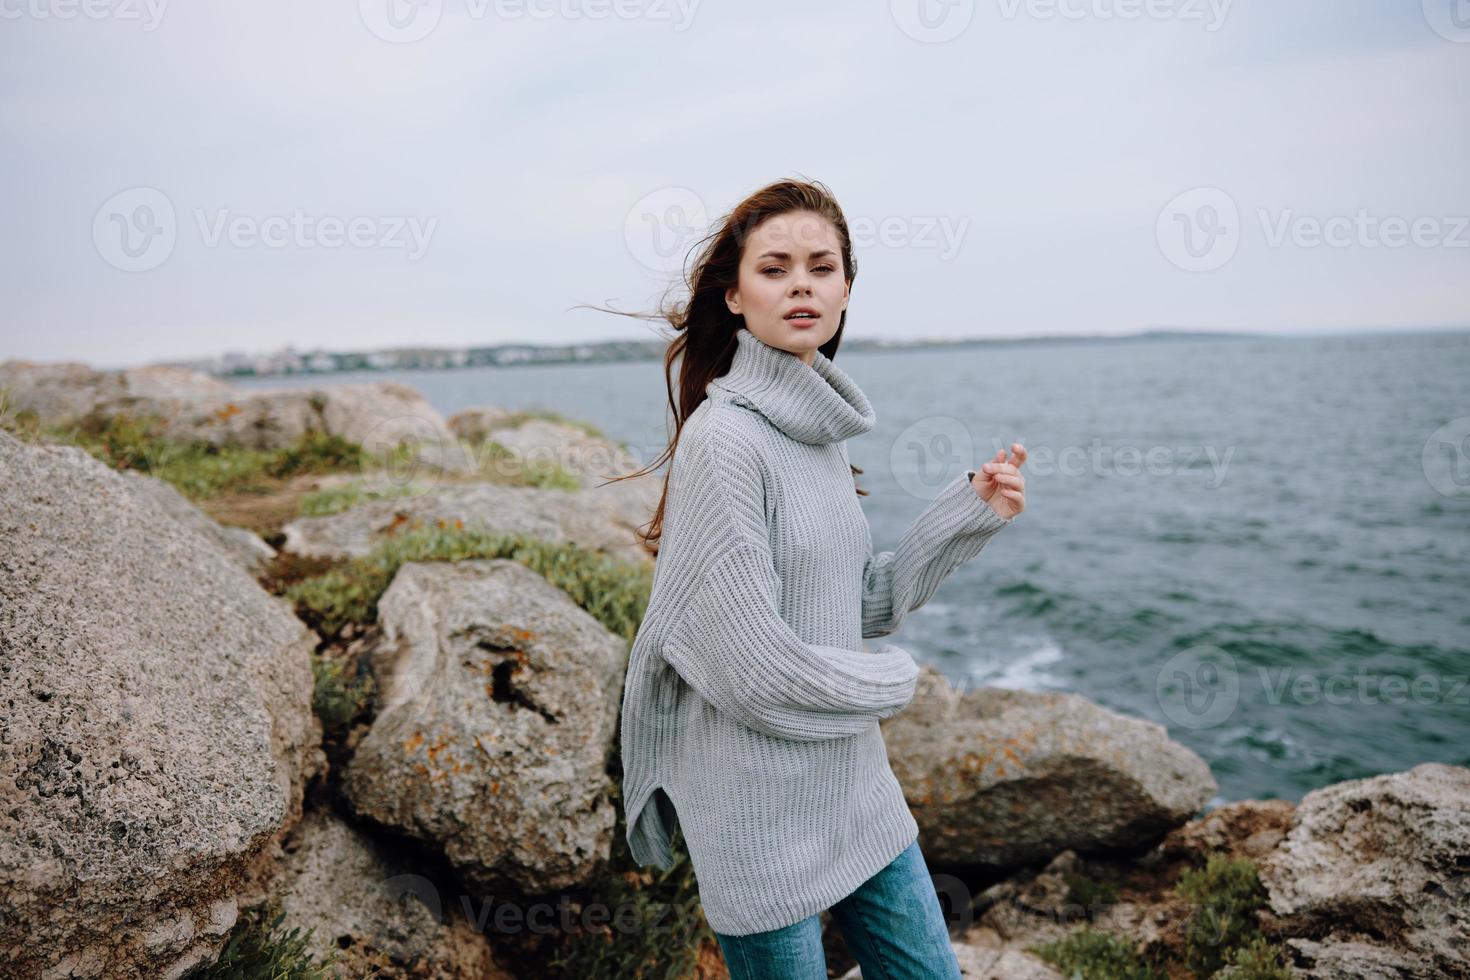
[733, 647]
[950, 531]
[729, 641]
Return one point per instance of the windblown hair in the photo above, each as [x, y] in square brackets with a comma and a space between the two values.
[704, 339]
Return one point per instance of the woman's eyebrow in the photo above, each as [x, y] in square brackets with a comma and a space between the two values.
[819, 254]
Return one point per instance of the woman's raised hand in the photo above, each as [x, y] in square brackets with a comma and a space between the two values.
[1000, 483]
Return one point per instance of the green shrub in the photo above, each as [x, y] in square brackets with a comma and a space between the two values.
[615, 593]
[1257, 960]
[338, 700]
[1090, 894]
[334, 500]
[1086, 953]
[201, 469]
[505, 465]
[319, 452]
[1226, 893]
[259, 950]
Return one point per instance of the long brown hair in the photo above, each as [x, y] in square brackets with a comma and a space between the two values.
[704, 340]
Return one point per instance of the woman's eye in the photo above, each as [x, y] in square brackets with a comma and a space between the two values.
[776, 268]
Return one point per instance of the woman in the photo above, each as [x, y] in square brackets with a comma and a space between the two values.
[750, 711]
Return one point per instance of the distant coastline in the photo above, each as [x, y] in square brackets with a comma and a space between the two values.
[289, 362]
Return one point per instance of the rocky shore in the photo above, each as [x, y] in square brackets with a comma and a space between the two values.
[315, 682]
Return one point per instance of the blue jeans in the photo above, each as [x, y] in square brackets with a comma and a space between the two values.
[892, 923]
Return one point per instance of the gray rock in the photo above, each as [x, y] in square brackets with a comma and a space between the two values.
[377, 415]
[499, 703]
[197, 407]
[242, 545]
[592, 460]
[590, 518]
[64, 392]
[1382, 861]
[373, 913]
[1350, 960]
[474, 425]
[1001, 777]
[155, 726]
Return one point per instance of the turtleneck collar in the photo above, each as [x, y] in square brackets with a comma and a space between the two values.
[816, 403]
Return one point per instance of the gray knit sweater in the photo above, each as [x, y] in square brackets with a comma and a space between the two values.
[750, 701]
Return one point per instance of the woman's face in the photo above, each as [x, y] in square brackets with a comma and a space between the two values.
[792, 261]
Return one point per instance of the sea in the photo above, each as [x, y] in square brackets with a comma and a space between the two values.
[1260, 544]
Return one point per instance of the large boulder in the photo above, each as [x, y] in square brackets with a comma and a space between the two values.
[592, 460]
[589, 518]
[499, 703]
[196, 407]
[65, 392]
[373, 912]
[155, 726]
[1001, 777]
[1378, 865]
[241, 544]
[377, 415]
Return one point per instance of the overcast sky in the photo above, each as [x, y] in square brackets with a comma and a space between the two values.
[185, 179]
